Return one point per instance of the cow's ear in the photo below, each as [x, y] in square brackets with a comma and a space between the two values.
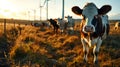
[104, 9]
[77, 10]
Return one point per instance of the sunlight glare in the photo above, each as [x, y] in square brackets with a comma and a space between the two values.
[7, 8]
[7, 5]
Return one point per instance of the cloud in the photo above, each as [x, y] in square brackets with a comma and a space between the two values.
[114, 16]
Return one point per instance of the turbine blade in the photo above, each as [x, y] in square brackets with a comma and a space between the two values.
[44, 2]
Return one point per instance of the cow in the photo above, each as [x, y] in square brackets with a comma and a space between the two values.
[70, 24]
[62, 25]
[94, 27]
[55, 25]
[117, 24]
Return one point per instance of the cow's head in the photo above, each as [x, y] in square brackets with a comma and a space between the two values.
[69, 18]
[70, 21]
[90, 13]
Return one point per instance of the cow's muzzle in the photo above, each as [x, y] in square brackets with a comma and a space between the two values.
[89, 29]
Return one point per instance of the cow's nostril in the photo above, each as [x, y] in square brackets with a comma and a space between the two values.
[87, 27]
[91, 28]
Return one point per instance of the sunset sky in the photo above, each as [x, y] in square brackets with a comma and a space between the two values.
[24, 9]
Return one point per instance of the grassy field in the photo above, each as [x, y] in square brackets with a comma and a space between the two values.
[28, 46]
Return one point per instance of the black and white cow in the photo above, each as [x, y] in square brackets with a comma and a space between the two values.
[70, 24]
[94, 27]
[62, 25]
[55, 25]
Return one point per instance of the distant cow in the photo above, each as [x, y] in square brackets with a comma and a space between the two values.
[94, 27]
[55, 25]
[70, 24]
[117, 24]
[35, 24]
[62, 25]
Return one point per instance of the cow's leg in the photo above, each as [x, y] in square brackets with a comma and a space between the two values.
[85, 50]
[71, 30]
[55, 30]
[62, 31]
[96, 50]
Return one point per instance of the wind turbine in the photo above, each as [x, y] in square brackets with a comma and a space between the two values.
[40, 10]
[46, 2]
[63, 9]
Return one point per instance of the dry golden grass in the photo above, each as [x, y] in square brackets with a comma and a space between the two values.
[38, 47]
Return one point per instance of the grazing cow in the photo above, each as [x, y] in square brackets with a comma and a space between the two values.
[62, 24]
[36, 24]
[117, 24]
[94, 27]
[54, 24]
[70, 24]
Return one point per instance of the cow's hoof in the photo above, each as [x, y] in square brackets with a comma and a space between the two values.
[96, 62]
[84, 61]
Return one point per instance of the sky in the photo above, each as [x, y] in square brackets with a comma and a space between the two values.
[30, 9]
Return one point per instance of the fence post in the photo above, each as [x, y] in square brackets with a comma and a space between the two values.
[5, 28]
[14, 23]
